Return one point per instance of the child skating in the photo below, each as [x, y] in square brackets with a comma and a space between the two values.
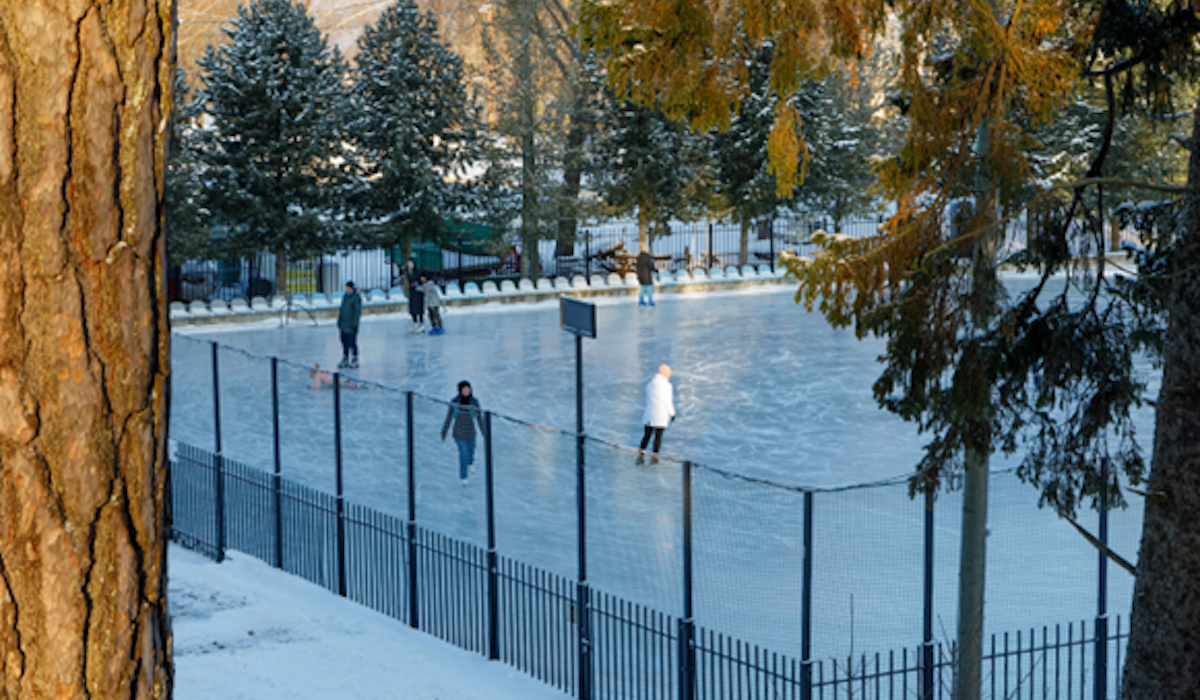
[433, 304]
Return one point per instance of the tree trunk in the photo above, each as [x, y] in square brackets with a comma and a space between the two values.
[281, 273]
[744, 248]
[643, 225]
[526, 13]
[1164, 638]
[85, 88]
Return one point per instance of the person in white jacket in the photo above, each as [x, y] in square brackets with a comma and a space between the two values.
[660, 409]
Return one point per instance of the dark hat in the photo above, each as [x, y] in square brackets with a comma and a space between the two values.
[350, 285]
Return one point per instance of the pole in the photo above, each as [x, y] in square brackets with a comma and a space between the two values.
[771, 235]
[460, 284]
[1101, 663]
[927, 644]
[710, 245]
[276, 479]
[583, 593]
[806, 603]
[414, 618]
[218, 459]
[341, 496]
[687, 626]
[587, 255]
[492, 563]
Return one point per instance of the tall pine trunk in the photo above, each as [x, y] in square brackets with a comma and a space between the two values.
[1164, 640]
[281, 273]
[85, 88]
[643, 229]
[744, 245]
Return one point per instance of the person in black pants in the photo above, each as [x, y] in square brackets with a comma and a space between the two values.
[416, 297]
[660, 410]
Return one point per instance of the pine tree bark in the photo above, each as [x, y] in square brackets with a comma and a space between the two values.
[84, 90]
[1164, 640]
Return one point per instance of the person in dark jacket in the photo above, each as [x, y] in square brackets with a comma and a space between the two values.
[348, 317]
[464, 413]
[645, 275]
[416, 297]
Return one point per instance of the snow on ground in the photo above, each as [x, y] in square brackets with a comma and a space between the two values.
[245, 630]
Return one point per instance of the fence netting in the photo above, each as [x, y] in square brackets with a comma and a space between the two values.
[868, 554]
[192, 392]
[635, 526]
[535, 495]
[247, 423]
[748, 544]
[445, 504]
[375, 447]
[306, 422]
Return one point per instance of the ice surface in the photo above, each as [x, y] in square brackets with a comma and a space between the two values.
[763, 389]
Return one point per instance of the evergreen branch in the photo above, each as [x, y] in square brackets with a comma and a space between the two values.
[1185, 142]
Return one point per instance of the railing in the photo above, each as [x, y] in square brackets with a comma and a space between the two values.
[533, 619]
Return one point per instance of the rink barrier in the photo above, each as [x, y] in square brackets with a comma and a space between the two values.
[530, 619]
[299, 308]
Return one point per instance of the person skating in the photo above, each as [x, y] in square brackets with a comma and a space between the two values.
[433, 302]
[464, 413]
[348, 317]
[645, 276]
[416, 297]
[660, 411]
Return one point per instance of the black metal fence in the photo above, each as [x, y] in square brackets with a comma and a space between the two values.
[598, 249]
[574, 631]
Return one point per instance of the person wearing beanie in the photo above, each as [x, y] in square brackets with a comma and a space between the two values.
[463, 415]
[348, 317]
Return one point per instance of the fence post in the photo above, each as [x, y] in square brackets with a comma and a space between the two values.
[583, 592]
[493, 601]
[927, 644]
[771, 235]
[1101, 662]
[806, 603]
[710, 245]
[414, 617]
[687, 626]
[587, 255]
[276, 479]
[341, 497]
[218, 460]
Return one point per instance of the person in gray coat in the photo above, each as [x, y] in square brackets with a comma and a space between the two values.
[348, 317]
[433, 304]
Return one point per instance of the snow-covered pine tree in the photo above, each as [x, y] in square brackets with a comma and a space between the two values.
[273, 99]
[745, 185]
[187, 232]
[413, 128]
[841, 141]
[646, 164]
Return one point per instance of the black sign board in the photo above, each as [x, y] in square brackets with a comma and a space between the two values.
[577, 316]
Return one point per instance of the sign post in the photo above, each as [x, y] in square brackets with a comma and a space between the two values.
[579, 318]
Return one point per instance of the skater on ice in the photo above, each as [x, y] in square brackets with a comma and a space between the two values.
[416, 297]
[433, 301]
[348, 317]
[464, 413]
[660, 411]
[322, 378]
[645, 277]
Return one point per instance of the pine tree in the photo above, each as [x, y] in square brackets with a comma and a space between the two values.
[744, 182]
[413, 128]
[272, 149]
[645, 164]
[188, 235]
[843, 143]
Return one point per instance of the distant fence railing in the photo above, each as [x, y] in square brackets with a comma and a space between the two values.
[657, 606]
[597, 249]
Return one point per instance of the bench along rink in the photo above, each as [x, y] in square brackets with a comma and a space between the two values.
[763, 389]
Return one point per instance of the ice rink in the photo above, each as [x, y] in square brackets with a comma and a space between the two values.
[763, 389]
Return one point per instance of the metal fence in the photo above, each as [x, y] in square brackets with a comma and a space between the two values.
[598, 249]
[602, 577]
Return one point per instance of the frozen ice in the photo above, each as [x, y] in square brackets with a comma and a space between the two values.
[763, 389]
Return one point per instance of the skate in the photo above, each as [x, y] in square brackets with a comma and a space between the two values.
[344, 363]
[641, 303]
[464, 482]
[651, 303]
[353, 362]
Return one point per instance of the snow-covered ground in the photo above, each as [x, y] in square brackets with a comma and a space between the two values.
[245, 630]
[763, 389]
